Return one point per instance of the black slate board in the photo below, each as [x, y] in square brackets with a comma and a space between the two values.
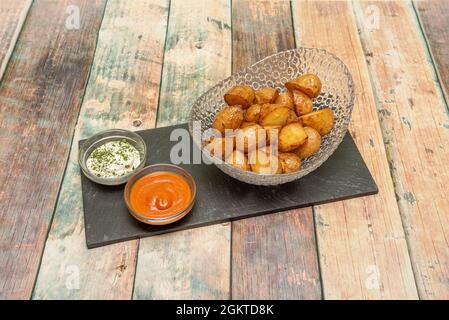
[221, 198]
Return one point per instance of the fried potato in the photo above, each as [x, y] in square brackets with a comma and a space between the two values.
[274, 115]
[240, 95]
[239, 160]
[231, 117]
[292, 117]
[290, 162]
[309, 84]
[266, 95]
[220, 147]
[250, 138]
[312, 144]
[246, 124]
[291, 137]
[252, 114]
[303, 104]
[262, 161]
[321, 120]
[285, 99]
[272, 133]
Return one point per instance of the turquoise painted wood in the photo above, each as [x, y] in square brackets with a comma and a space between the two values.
[273, 256]
[192, 264]
[12, 18]
[40, 97]
[415, 135]
[361, 242]
[122, 92]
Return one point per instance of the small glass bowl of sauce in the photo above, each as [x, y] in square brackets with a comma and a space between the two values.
[160, 194]
[111, 157]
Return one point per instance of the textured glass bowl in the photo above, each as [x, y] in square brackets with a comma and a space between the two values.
[337, 93]
[103, 137]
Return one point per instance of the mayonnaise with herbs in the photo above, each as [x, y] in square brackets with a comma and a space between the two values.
[113, 159]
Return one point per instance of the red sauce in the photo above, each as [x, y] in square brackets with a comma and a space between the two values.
[160, 195]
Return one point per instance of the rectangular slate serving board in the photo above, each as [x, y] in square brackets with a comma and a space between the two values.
[221, 198]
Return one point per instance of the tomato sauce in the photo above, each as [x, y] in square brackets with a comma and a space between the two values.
[160, 195]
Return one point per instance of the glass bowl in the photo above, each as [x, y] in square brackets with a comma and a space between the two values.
[103, 137]
[162, 167]
[337, 93]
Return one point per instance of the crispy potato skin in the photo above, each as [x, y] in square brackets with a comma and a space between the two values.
[262, 161]
[250, 138]
[321, 120]
[303, 104]
[220, 147]
[252, 114]
[309, 84]
[231, 117]
[290, 162]
[240, 95]
[285, 99]
[272, 133]
[274, 115]
[292, 117]
[266, 95]
[312, 144]
[246, 124]
[291, 137]
[239, 160]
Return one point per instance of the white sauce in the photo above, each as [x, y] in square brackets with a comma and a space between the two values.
[113, 159]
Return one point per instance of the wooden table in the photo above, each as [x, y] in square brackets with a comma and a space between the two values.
[141, 64]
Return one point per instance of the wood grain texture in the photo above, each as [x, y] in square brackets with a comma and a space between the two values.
[362, 247]
[434, 18]
[197, 56]
[192, 264]
[12, 18]
[274, 256]
[40, 96]
[415, 126]
[122, 92]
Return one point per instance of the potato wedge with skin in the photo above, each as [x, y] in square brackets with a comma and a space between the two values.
[321, 120]
[290, 162]
[239, 160]
[285, 99]
[272, 133]
[220, 147]
[292, 117]
[312, 144]
[264, 162]
[266, 95]
[250, 138]
[252, 114]
[274, 115]
[291, 137]
[303, 104]
[241, 95]
[246, 124]
[231, 117]
[309, 84]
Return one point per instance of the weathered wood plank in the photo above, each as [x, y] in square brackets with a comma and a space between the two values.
[415, 126]
[122, 92]
[362, 248]
[40, 96]
[196, 56]
[12, 17]
[273, 256]
[434, 18]
[192, 264]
